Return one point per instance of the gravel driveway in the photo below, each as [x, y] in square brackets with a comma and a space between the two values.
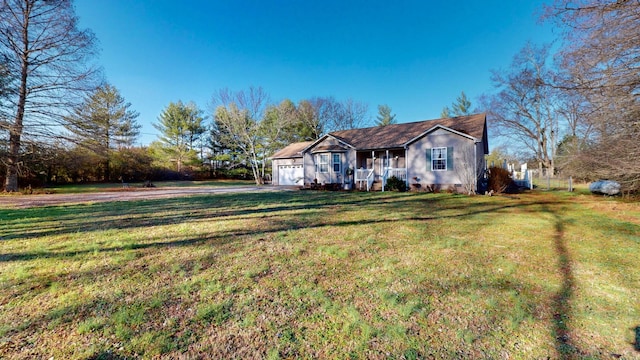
[26, 201]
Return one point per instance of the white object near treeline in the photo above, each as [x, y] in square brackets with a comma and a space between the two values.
[606, 187]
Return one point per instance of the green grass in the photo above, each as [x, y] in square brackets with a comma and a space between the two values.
[323, 275]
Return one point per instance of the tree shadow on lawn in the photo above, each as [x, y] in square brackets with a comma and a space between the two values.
[284, 222]
[33, 286]
[84, 310]
[32, 223]
[564, 344]
[104, 307]
[276, 224]
[222, 238]
[59, 220]
[406, 207]
[106, 355]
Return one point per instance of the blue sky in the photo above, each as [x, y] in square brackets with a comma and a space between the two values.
[415, 56]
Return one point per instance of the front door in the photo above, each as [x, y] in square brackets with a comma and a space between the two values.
[384, 164]
[336, 167]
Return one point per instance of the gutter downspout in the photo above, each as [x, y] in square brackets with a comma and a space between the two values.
[475, 164]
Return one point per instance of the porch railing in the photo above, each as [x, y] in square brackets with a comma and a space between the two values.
[361, 174]
[370, 178]
[400, 173]
[367, 176]
[364, 176]
[385, 176]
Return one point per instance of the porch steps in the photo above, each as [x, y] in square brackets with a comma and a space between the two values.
[376, 186]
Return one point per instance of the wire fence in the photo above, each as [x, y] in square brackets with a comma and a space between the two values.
[544, 180]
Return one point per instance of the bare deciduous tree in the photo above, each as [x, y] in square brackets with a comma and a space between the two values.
[349, 114]
[239, 116]
[601, 42]
[46, 54]
[330, 114]
[308, 114]
[523, 109]
[469, 167]
[601, 54]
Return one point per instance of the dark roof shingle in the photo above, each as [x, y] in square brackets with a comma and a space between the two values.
[291, 150]
[397, 135]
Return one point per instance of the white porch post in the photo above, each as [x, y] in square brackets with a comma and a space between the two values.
[406, 168]
[384, 167]
[387, 158]
[373, 160]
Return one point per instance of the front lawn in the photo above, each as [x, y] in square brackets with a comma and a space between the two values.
[323, 275]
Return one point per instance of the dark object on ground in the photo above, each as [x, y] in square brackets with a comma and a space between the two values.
[148, 184]
[500, 181]
[396, 184]
[606, 187]
[325, 187]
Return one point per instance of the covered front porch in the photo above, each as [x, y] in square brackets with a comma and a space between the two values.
[377, 166]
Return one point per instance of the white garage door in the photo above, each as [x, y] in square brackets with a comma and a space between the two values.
[290, 175]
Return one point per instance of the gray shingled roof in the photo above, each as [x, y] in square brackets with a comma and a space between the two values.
[291, 150]
[397, 135]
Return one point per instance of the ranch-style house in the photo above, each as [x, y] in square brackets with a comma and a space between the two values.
[444, 153]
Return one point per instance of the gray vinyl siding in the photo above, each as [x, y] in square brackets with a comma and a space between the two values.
[418, 160]
[347, 157]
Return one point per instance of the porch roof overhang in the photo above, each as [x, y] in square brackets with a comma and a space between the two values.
[381, 148]
[328, 148]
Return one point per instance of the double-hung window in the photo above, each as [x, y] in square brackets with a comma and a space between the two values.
[323, 163]
[336, 163]
[439, 159]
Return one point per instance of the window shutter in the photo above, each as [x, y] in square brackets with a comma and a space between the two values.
[449, 158]
[428, 159]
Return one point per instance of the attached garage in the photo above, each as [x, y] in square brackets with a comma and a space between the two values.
[290, 175]
[287, 166]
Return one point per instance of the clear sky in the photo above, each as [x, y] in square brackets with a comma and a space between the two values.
[415, 56]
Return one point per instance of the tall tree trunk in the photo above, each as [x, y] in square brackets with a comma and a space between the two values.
[15, 133]
[107, 144]
[41, 39]
[107, 171]
[254, 165]
[11, 181]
